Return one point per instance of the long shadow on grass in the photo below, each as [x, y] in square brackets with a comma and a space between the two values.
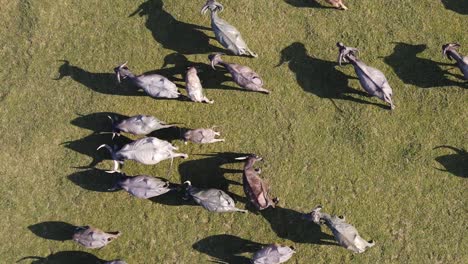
[89, 144]
[95, 180]
[455, 163]
[105, 83]
[417, 71]
[173, 198]
[173, 34]
[459, 6]
[210, 78]
[68, 257]
[97, 122]
[289, 224]
[170, 134]
[227, 248]
[320, 77]
[306, 3]
[53, 230]
[208, 172]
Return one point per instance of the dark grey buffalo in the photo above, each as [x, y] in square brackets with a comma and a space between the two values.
[371, 79]
[202, 136]
[148, 151]
[143, 186]
[154, 85]
[345, 234]
[91, 237]
[255, 188]
[450, 50]
[273, 254]
[194, 87]
[213, 200]
[137, 125]
[242, 75]
[225, 33]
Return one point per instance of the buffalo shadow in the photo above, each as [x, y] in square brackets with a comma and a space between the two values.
[420, 72]
[173, 34]
[290, 224]
[95, 180]
[68, 257]
[89, 144]
[208, 172]
[227, 248]
[97, 122]
[174, 198]
[170, 134]
[458, 6]
[53, 230]
[101, 82]
[320, 77]
[306, 3]
[455, 163]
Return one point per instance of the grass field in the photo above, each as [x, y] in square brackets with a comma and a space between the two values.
[379, 168]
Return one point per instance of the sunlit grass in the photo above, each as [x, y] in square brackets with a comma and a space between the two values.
[379, 168]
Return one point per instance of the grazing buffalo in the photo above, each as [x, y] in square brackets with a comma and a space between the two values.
[148, 151]
[194, 87]
[255, 188]
[450, 50]
[242, 75]
[345, 234]
[225, 33]
[137, 125]
[202, 136]
[154, 85]
[91, 237]
[273, 254]
[371, 79]
[213, 200]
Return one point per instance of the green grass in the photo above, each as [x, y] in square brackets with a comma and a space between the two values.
[379, 168]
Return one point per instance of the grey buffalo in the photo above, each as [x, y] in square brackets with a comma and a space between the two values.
[202, 136]
[194, 87]
[137, 125]
[450, 50]
[273, 254]
[225, 33]
[371, 79]
[91, 237]
[213, 200]
[345, 234]
[337, 4]
[242, 75]
[154, 85]
[148, 151]
[255, 188]
[143, 186]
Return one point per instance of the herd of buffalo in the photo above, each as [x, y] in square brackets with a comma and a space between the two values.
[151, 150]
